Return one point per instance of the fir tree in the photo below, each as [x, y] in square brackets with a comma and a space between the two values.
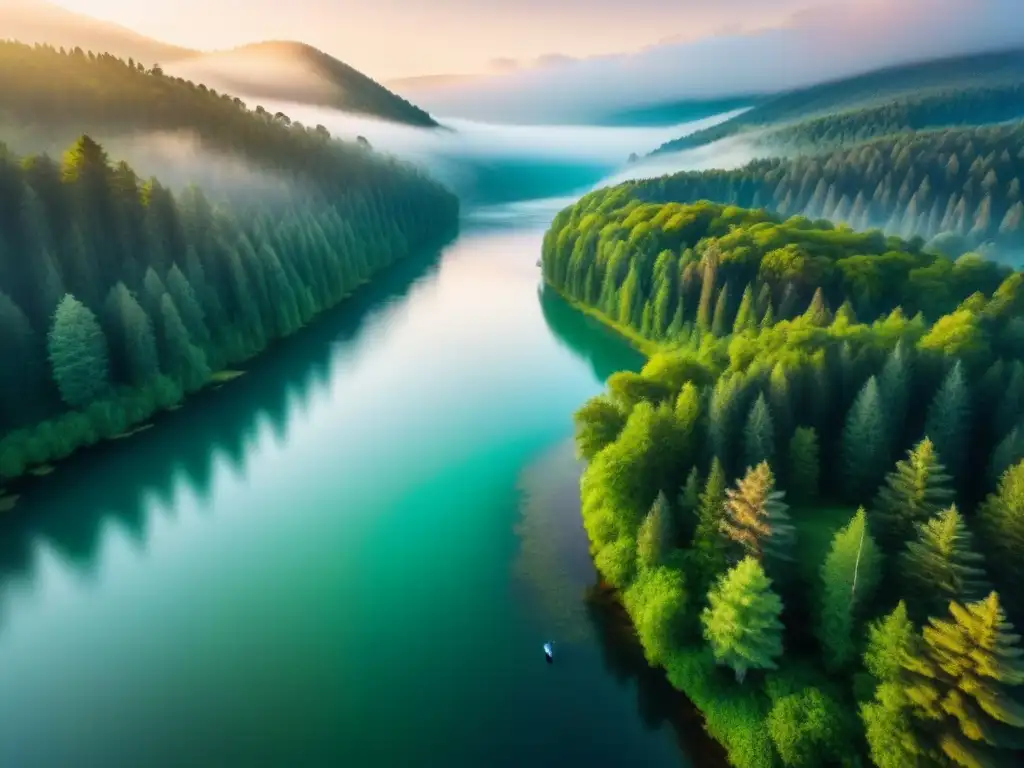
[948, 421]
[759, 434]
[849, 577]
[709, 543]
[757, 519]
[720, 321]
[745, 319]
[803, 465]
[890, 639]
[741, 622]
[1009, 451]
[913, 493]
[1002, 524]
[78, 354]
[689, 504]
[655, 538]
[818, 312]
[865, 442]
[940, 564]
[963, 683]
[894, 392]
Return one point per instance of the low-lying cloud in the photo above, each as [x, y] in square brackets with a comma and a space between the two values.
[818, 43]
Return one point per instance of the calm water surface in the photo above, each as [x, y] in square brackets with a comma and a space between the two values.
[350, 556]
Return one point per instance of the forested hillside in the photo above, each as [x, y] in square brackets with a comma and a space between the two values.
[962, 184]
[295, 72]
[971, 90]
[825, 412]
[117, 297]
[50, 96]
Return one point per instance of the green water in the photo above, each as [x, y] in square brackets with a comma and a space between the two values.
[350, 556]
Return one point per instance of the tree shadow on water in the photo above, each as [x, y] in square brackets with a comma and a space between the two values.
[657, 701]
[585, 337]
[113, 481]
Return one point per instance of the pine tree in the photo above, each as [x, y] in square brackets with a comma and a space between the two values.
[1008, 452]
[741, 622]
[745, 319]
[757, 519]
[759, 434]
[184, 359]
[1002, 524]
[865, 443]
[655, 538]
[963, 683]
[720, 322]
[818, 312]
[894, 391]
[912, 493]
[134, 336]
[948, 422]
[78, 354]
[780, 403]
[688, 504]
[940, 564]
[705, 307]
[709, 543]
[849, 576]
[890, 638]
[804, 464]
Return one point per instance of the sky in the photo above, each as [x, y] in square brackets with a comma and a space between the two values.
[406, 38]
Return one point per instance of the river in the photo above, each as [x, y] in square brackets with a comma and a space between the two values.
[349, 556]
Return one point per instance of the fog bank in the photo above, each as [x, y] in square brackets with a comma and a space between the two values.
[845, 38]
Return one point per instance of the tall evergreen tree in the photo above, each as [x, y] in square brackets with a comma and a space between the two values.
[849, 577]
[865, 443]
[963, 684]
[78, 354]
[720, 320]
[759, 434]
[1002, 525]
[709, 542]
[655, 538]
[741, 622]
[803, 465]
[940, 564]
[948, 422]
[913, 493]
[889, 640]
[134, 336]
[757, 519]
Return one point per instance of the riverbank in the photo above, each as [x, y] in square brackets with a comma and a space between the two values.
[726, 716]
[31, 453]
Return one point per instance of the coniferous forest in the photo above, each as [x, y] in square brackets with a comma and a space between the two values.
[809, 498]
[962, 185]
[118, 297]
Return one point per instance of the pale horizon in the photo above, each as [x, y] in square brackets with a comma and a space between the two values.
[396, 39]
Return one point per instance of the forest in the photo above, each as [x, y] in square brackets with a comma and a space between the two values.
[943, 92]
[49, 97]
[959, 188]
[118, 297]
[810, 498]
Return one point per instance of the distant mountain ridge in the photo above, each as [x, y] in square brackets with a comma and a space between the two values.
[869, 89]
[273, 70]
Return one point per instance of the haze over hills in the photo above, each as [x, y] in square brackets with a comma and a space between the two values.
[831, 41]
[278, 70]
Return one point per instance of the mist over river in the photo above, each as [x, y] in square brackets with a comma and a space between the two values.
[352, 554]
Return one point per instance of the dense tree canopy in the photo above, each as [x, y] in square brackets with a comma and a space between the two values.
[972, 89]
[825, 386]
[117, 296]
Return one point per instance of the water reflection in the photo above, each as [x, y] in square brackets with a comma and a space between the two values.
[116, 482]
[585, 337]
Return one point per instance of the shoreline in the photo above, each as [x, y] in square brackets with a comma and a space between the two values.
[14, 488]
